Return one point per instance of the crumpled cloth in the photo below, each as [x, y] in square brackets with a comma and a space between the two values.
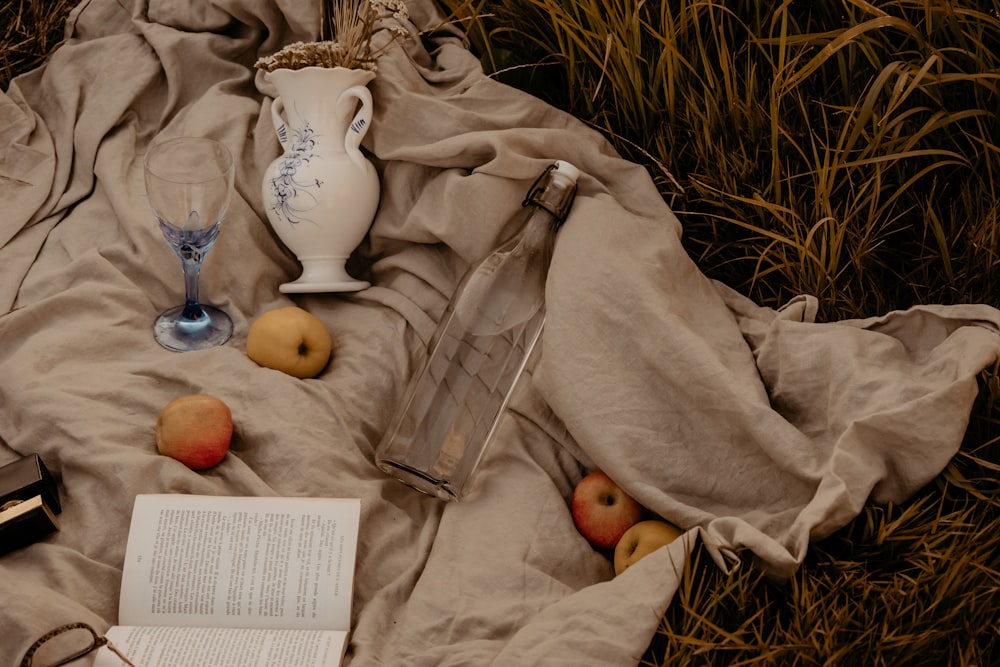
[757, 430]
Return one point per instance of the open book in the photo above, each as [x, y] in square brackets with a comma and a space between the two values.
[217, 580]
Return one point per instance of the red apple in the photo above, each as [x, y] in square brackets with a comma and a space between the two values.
[196, 430]
[641, 539]
[603, 512]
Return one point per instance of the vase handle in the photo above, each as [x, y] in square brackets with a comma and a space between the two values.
[280, 127]
[358, 127]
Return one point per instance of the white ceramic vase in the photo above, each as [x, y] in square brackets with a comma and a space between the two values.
[321, 194]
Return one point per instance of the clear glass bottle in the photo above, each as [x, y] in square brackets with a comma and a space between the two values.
[454, 402]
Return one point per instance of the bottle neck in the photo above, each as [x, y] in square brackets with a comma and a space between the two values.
[553, 192]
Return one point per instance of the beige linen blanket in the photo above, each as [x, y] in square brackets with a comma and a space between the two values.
[757, 430]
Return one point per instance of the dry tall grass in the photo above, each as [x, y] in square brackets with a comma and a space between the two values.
[29, 31]
[843, 149]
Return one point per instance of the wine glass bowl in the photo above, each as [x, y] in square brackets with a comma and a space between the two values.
[189, 183]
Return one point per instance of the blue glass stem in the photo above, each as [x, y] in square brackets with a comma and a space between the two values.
[191, 259]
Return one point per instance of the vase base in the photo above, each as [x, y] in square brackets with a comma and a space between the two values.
[303, 287]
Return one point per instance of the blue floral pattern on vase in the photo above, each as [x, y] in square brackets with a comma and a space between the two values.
[290, 194]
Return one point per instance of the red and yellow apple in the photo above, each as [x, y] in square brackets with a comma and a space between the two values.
[291, 340]
[642, 539]
[195, 429]
[602, 511]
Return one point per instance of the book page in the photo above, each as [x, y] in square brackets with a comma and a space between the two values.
[223, 647]
[240, 562]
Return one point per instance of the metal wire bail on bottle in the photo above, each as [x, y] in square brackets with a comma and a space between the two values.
[554, 200]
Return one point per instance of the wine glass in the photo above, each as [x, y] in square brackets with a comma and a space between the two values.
[189, 182]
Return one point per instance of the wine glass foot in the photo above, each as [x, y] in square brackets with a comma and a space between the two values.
[179, 333]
